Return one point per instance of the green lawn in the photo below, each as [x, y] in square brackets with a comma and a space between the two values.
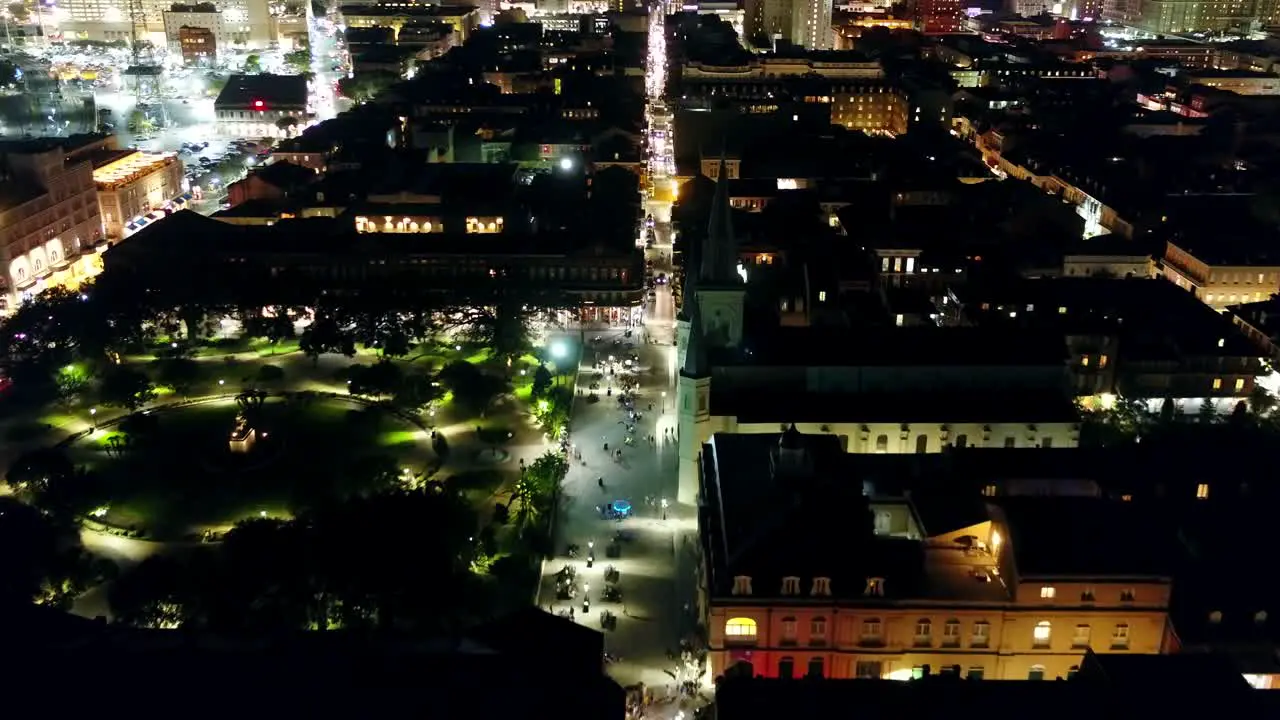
[179, 475]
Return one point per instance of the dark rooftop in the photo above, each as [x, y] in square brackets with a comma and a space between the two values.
[1156, 318]
[917, 346]
[289, 91]
[1056, 537]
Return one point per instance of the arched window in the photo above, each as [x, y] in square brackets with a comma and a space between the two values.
[962, 440]
[740, 628]
[1040, 636]
[787, 668]
[882, 443]
[1037, 673]
[39, 265]
[922, 443]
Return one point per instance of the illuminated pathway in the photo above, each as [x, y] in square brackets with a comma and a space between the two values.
[656, 564]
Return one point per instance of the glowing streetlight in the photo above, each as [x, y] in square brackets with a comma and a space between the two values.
[222, 382]
[566, 164]
[559, 350]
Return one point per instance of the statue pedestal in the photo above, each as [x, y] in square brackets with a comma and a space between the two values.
[243, 436]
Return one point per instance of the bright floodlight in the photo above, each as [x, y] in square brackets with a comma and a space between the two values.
[558, 350]
[566, 164]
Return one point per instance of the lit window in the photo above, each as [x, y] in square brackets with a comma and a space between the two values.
[1062, 310]
[1120, 636]
[822, 296]
[1048, 592]
[1202, 491]
[871, 628]
[1217, 383]
[875, 587]
[740, 628]
[1040, 636]
[898, 320]
[924, 628]
[981, 634]
[1080, 638]
[821, 586]
[1084, 361]
[1102, 361]
[1239, 384]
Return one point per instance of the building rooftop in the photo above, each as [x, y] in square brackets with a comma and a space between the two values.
[879, 347]
[1028, 406]
[402, 10]
[778, 506]
[1155, 318]
[1068, 537]
[274, 91]
[120, 167]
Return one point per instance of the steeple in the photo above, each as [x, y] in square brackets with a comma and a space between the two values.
[720, 249]
[695, 353]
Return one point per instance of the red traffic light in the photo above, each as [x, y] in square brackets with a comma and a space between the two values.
[258, 105]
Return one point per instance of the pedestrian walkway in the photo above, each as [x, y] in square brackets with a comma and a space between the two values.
[649, 615]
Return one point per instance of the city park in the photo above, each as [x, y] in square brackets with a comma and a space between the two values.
[287, 468]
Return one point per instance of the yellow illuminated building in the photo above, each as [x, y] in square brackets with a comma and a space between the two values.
[50, 226]
[909, 601]
[133, 186]
[399, 224]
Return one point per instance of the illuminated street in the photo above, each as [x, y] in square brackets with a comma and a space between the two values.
[655, 567]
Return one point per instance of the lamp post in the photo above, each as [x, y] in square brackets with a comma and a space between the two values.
[664, 401]
[93, 417]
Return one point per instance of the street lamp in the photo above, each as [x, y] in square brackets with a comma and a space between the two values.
[93, 417]
[664, 401]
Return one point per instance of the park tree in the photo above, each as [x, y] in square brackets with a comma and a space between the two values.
[381, 378]
[275, 326]
[122, 386]
[502, 327]
[32, 473]
[71, 381]
[253, 64]
[46, 564]
[365, 86]
[541, 381]
[48, 332]
[156, 594]
[326, 335]
[298, 61]
[416, 391]
[392, 332]
[179, 373]
[472, 387]
[535, 492]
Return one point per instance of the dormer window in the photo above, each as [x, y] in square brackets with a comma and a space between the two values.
[791, 585]
[875, 587]
[821, 586]
[742, 585]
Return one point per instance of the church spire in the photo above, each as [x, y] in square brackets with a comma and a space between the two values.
[720, 249]
[695, 352]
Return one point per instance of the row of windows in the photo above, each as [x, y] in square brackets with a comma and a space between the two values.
[1049, 592]
[743, 629]
[962, 441]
